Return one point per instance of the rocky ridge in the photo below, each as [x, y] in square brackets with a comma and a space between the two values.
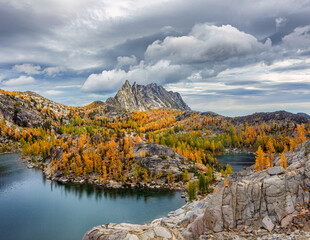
[304, 115]
[158, 159]
[276, 200]
[28, 109]
[272, 116]
[143, 98]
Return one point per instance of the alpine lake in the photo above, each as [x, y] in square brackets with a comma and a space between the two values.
[32, 207]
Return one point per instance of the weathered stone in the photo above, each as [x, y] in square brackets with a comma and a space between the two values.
[228, 216]
[267, 223]
[149, 234]
[162, 232]
[276, 170]
[274, 186]
[286, 221]
[213, 213]
[131, 237]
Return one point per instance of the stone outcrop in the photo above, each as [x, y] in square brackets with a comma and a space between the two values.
[270, 199]
[267, 198]
[25, 108]
[162, 159]
[20, 113]
[143, 98]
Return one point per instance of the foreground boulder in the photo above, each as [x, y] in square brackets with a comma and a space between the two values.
[269, 199]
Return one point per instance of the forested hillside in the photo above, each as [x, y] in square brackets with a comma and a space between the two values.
[104, 143]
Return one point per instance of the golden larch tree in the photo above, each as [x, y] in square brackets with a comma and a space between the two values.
[283, 161]
[270, 150]
[300, 134]
[137, 139]
[259, 159]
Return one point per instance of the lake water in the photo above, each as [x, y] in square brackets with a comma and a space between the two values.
[38, 209]
[237, 160]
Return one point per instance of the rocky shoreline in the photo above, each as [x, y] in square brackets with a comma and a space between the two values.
[107, 185]
[270, 204]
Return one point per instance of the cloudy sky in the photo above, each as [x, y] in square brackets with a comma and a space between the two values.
[231, 57]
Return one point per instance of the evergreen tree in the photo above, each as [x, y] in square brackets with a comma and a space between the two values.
[191, 189]
[185, 176]
[207, 184]
[201, 183]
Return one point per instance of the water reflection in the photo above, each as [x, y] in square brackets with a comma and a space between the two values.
[238, 160]
[91, 191]
[11, 170]
[28, 200]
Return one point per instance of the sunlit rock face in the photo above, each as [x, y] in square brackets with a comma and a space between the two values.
[143, 98]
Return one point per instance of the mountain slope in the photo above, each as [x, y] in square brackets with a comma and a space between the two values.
[143, 98]
[304, 115]
[29, 109]
[272, 116]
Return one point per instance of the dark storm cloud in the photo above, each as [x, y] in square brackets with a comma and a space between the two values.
[136, 47]
[199, 43]
[15, 23]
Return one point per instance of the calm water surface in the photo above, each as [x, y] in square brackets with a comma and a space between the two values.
[34, 208]
[237, 160]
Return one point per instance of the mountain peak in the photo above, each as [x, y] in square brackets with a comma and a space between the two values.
[126, 84]
[143, 98]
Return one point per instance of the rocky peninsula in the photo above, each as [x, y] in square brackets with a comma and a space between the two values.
[269, 204]
[159, 159]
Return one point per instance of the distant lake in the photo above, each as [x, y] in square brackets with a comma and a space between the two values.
[237, 160]
[33, 208]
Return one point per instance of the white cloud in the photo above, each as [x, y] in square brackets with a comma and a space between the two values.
[1, 77]
[31, 69]
[206, 43]
[126, 61]
[161, 72]
[22, 80]
[251, 88]
[280, 22]
[268, 73]
[27, 68]
[53, 92]
[52, 71]
[173, 60]
[69, 86]
[299, 39]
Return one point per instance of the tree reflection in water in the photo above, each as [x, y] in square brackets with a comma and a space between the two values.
[89, 190]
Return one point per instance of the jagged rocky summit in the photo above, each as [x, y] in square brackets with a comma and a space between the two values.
[276, 200]
[143, 98]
